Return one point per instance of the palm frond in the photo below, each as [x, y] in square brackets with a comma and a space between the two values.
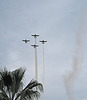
[28, 94]
[17, 79]
[30, 90]
[6, 77]
[11, 86]
[33, 84]
[1, 85]
[3, 96]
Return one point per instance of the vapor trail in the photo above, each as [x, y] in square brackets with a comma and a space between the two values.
[70, 77]
[36, 70]
[43, 73]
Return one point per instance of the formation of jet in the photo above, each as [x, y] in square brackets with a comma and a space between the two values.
[35, 35]
[43, 41]
[34, 45]
[25, 40]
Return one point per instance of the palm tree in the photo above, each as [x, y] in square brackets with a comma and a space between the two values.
[11, 86]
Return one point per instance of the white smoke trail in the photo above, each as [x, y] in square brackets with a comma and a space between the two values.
[43, 68]
[43, 79]
[36, 70]
[70, 77]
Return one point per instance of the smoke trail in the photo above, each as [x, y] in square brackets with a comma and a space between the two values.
[36, 69]
[70, 77]
[43, 79]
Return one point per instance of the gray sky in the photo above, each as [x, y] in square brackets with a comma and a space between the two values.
[58, 22]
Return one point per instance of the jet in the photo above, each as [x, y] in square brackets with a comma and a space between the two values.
[34, 45]
[35, 35]
[43, 41]
[26, 40]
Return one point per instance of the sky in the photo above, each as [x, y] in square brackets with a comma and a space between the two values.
[63, 24]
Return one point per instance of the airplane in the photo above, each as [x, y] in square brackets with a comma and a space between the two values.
[26, 40]
[35, 35]
[43, 41]
[34, 45]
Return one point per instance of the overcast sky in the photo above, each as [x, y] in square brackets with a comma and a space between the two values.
[62, 23]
